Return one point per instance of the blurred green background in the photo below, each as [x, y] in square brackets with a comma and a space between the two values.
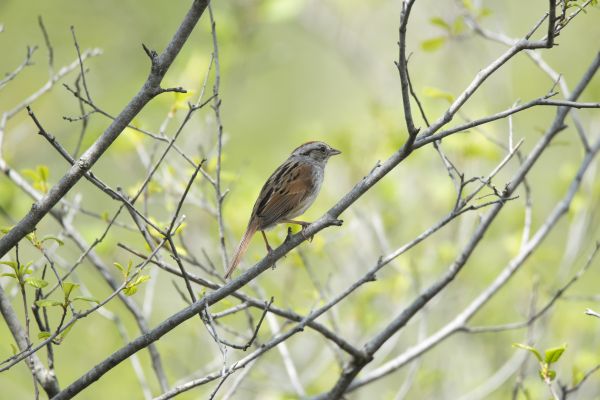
[293, 71]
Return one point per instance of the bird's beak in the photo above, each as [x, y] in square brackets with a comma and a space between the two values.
[334, 152]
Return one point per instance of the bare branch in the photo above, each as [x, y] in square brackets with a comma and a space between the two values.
[48, 45]
[87, 160]
[589, 311]
[27, 62]
[356, 365]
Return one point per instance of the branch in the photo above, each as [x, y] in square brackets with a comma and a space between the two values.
[356, 365]
[148, 91]
[341, 343]
[220, 196]
[45, 377]
[27, 62]
[576, 387]
[589, 311]
[48, 45]
[51, 82]
[403, 69]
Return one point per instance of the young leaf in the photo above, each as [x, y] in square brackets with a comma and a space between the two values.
[11, 264]
[36, 283]
[129, 265]
[141, 279]
[576, 375]
[119, 267]
[31, 174]
[468, 5]
[24, 269]
[68, 288]
[89, 299]
[436, 93]
[9, 274]
[44, 335]
[43, 172]
[530, 349]
[434, 43]
[437, 21]
[47, 303]
[130, 290]
[458, 26]
[553, 355]
[65, 332]
[484, 12]
[180, 228]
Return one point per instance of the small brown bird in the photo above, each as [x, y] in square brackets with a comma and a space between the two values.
[288, 193]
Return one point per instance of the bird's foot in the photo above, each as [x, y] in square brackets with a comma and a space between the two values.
[303, 232]
[289, 235]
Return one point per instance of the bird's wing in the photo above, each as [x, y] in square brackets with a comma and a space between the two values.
[284, 193]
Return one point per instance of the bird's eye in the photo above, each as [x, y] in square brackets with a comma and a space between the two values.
[322, 149]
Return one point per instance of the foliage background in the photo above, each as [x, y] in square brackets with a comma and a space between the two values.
[294, 71]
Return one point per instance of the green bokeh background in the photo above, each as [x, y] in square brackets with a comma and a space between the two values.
[293, 71]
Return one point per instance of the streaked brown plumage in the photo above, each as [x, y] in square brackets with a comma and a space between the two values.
[288, 193]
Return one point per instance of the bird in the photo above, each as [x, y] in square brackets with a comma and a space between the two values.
[287, 194]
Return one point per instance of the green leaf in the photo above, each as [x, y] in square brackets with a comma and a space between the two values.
[88, 299]
[47, 303]
[180, 228]
[25, 270]
[9, 274]
[68, 288]
[129, 265]
[31, 174]
[54, 238]
[43, 172]
[484, 12]
[119, 267]
[36, 283]
[458, 26]
[130, 290]
[11, 264]
[576, 375]
[44, 335]
[468, 5]
[141, 279]
[155, 187]
[435, 93]
[437, 21]
[551, 374]
[66, 332]
[533, 350]
[553, 354]
[32, 239]
[434, 43]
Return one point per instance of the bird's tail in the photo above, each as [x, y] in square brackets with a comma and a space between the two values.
[241, 249]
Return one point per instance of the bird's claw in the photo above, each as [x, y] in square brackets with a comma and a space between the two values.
[289, 235]
[269, 251]
[302, 231]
